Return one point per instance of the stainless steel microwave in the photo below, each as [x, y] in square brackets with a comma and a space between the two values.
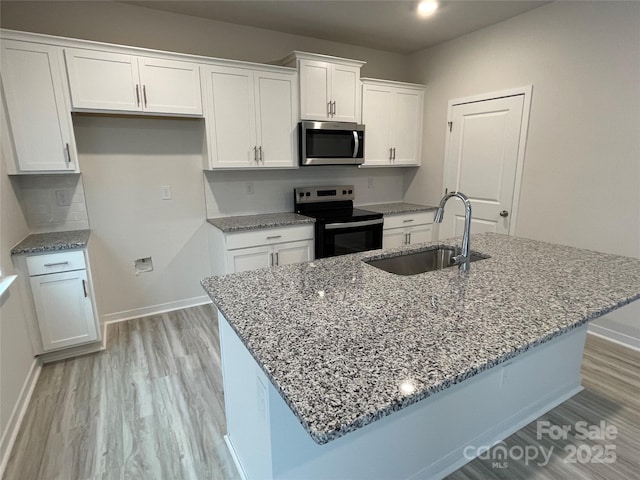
[331, 143]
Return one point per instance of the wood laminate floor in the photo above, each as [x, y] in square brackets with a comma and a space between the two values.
[151, 407]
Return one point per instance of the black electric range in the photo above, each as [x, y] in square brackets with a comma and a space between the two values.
[340, 229]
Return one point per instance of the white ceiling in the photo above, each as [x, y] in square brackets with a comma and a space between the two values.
[390, 25]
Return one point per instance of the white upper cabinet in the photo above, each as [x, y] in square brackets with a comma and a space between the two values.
[392, 114]
[107, 81]
[38, 123]
[250, 117]
[329, 87]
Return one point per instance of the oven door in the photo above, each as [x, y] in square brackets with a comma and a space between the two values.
[342, 238]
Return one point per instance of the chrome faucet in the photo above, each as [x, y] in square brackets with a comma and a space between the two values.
[464, 259]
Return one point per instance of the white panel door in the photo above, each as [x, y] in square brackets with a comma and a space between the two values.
[64, 310]
[345, 92]
[103, 81]
[293, 252]
[39, 116]
[315, 79]
[231, 119]
[407, 127]
[170, 86]
[245, 259]
[377, 103]
[276, 118]
[481, 163]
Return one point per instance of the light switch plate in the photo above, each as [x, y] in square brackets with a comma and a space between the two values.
[166, 192]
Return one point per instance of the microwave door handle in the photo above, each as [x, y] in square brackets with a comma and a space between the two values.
[356, 144]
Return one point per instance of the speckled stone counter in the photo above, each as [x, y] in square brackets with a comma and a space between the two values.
[256, 222]
[398, 208]
[52, 242]
[338, 337]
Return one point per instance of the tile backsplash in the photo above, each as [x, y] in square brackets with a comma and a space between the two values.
[52, 202]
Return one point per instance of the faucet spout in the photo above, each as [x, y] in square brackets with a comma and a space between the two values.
[464, 259]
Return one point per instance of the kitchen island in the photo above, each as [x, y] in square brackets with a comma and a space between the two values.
[337, 369]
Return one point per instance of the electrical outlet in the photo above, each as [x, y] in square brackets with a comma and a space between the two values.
[166, 192]
[370, 182]
[63, 198]
[250, 188]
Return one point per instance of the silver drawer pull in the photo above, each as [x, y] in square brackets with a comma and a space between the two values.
[55, 264]
[409, 220]
[274, 237]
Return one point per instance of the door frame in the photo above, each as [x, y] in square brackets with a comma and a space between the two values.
[527, 91]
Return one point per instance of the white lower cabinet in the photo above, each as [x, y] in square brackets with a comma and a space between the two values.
[407, 229]
[234, 252]
[62, 296]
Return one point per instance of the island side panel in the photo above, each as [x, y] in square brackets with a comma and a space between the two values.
[425, 440]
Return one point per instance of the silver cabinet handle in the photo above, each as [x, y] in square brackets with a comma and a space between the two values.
[356, 144]
[271, 259]
[390, 154]
[260, 156]
[255, 154]
[144, 95]
[409, 242]
[406, 241]
[55, 264]
[328, 109]
[68, 154]
[394, 154]
[333, 109]
[277, 259]
[364, 223]
[408, 220]
[137, 95]
[84, 288]
[273, 237]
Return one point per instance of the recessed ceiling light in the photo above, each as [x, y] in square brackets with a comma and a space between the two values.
[427, 7]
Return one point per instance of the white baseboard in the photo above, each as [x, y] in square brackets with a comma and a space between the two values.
[17, 415]
[613, 336]
[154, 309]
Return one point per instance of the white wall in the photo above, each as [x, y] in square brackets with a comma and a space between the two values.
[125, 161]
[16, 355]
[142, 27]
[581, 183]
[226, 191]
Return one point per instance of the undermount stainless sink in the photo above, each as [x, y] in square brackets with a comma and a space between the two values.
[435, 258]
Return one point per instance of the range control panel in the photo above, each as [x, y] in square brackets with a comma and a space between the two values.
[334, 193]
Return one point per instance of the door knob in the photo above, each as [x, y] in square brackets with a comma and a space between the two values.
[504, 213]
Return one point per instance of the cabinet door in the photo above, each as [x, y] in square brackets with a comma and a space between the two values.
[315, 78]
[345, 92]
[230, 117]
[253, 258]
[407, 126]
[420, 234]
[394, 237]
[376, 105]
[170, 86]
[293, 252]
[64, 310]
[103, 81]
[276, 118]
[38, 113]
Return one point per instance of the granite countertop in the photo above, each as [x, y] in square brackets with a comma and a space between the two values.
[346, 343]
[256, 222]
[398, 208]
[52, 242]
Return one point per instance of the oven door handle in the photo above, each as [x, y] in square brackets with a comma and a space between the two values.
[363, 223]
[356, 144]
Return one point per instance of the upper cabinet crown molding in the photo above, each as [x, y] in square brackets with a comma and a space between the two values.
[392, 112]
[329, 86]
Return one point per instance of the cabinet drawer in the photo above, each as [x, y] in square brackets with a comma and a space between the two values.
[56, 262]
[408, 220]
[268, 236]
